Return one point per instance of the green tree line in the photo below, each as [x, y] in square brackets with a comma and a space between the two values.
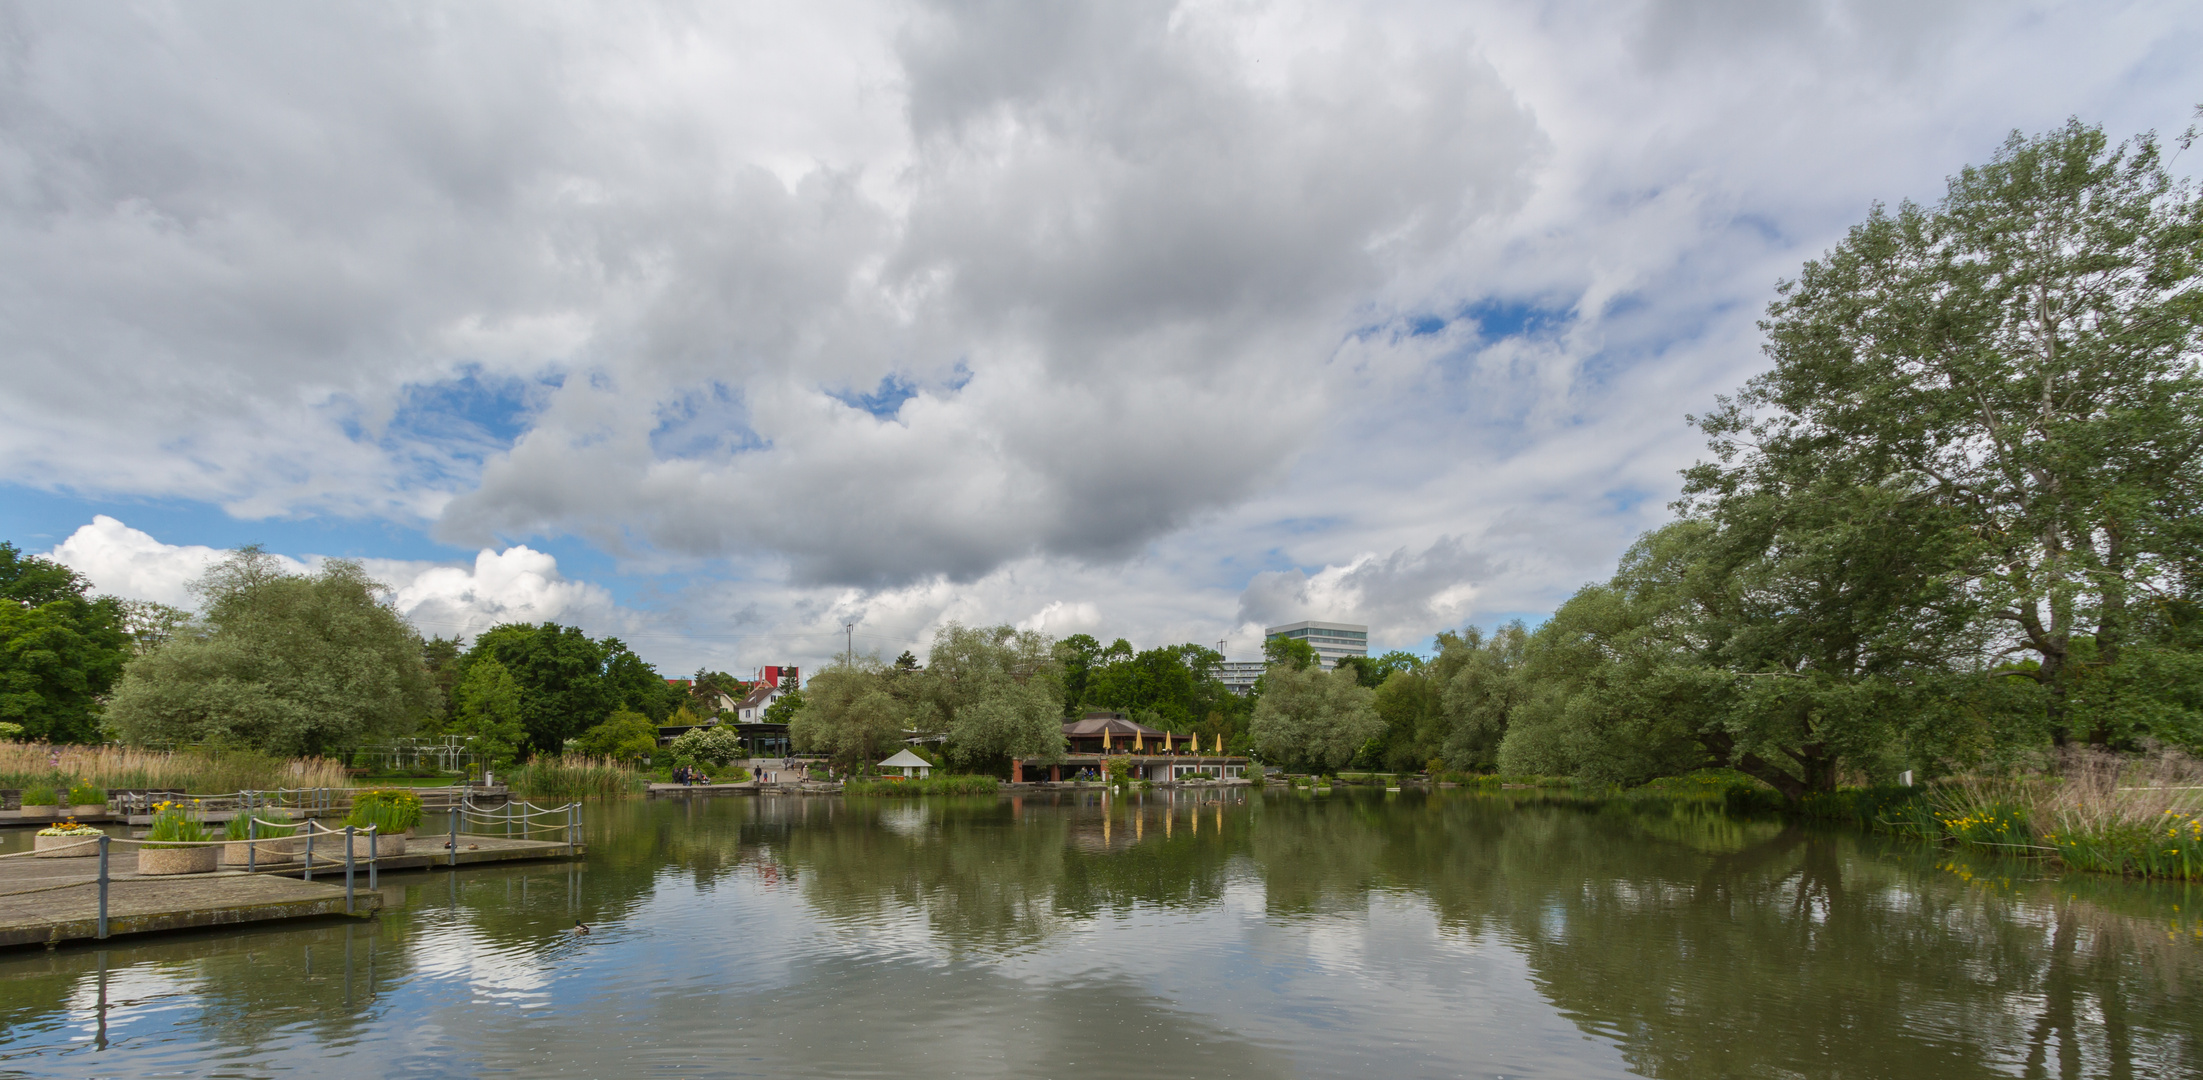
[311, 664]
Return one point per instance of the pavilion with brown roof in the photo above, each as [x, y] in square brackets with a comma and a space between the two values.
[1153, 754]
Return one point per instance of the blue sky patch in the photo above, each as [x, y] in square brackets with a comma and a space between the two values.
[885, 401]
[708, 422]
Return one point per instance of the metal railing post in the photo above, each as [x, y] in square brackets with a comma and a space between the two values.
[508, 817]
[572, 812]
[456, 810]
[374, 854]
[252, 849]
[348, 869]
[102, 930]
[312, 823]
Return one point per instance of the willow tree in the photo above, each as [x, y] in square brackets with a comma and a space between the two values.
[2022, 355]
[996, 691]
[284, 663]
[850, 713]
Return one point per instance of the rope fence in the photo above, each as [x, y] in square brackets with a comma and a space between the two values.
[566, 819]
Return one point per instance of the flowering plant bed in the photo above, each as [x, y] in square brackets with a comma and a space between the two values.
[65, 841]
[87, 799]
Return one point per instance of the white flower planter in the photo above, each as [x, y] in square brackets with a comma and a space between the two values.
[187, 860]
[64, 847]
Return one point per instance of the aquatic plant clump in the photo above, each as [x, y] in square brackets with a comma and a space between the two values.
[176, 824]
[40, 796]
[931, 785]
[85, 793]
[574, 776]
[274, 822]
[388, 812]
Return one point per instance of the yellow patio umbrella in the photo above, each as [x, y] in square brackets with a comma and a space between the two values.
[1219, 742]
[1139, 742]
[1105, 736]
[1166, 742]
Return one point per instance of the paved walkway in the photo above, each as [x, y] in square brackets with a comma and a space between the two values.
[34, 911]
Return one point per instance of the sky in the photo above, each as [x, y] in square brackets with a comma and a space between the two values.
[748, 333]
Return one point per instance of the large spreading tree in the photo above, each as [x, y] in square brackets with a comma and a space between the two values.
[2013, 373]
[284, 663]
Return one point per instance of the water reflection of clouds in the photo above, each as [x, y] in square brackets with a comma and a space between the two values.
[514, 972]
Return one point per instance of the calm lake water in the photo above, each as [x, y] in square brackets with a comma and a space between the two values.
[1159, 935]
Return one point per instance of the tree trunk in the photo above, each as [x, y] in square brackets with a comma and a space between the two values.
[2110, 624]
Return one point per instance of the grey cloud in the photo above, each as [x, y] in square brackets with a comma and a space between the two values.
[1403, 597]
[240, 238]
[1142, 259]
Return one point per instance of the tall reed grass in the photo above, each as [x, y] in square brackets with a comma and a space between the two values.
[2098, 811]
[575, 776]
[200, 772]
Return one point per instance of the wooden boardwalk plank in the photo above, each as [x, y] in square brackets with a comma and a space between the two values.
[137, 905]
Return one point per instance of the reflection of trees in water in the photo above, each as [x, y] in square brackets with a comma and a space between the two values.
[1702, 945]
[1817, 953]
[1002, 875]
[247, 989]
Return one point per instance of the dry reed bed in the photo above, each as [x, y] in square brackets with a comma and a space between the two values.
[200, 772]
[575, 776]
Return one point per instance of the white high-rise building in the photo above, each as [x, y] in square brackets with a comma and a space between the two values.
[1332, 641]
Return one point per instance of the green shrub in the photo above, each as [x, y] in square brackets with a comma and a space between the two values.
[393, 810]
[175, 824]
[1495, 780]
[1867, 806]
[41, 795]
[932, 785]
[708, 748]
[269, 817]
[85, 793]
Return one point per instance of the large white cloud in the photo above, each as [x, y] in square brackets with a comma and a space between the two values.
[514, 585]
[1159, 319]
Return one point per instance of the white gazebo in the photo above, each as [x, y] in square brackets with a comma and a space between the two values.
[910, 764]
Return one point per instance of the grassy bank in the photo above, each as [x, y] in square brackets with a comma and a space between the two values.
[200, 772]
[2139, 817]
[564, 779]
[932, 785]
[2099, 812]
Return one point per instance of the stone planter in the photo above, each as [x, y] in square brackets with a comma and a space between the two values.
[387, 845]
[237, 853]
[186, 860]
[41, 813]
[85, 810]
[64, 847]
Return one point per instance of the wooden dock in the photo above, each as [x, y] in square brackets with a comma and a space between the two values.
[431, 853]
[47, 901]
[139, 905]
[686, 791]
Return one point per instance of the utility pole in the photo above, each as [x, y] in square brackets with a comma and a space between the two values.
[849, 651]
